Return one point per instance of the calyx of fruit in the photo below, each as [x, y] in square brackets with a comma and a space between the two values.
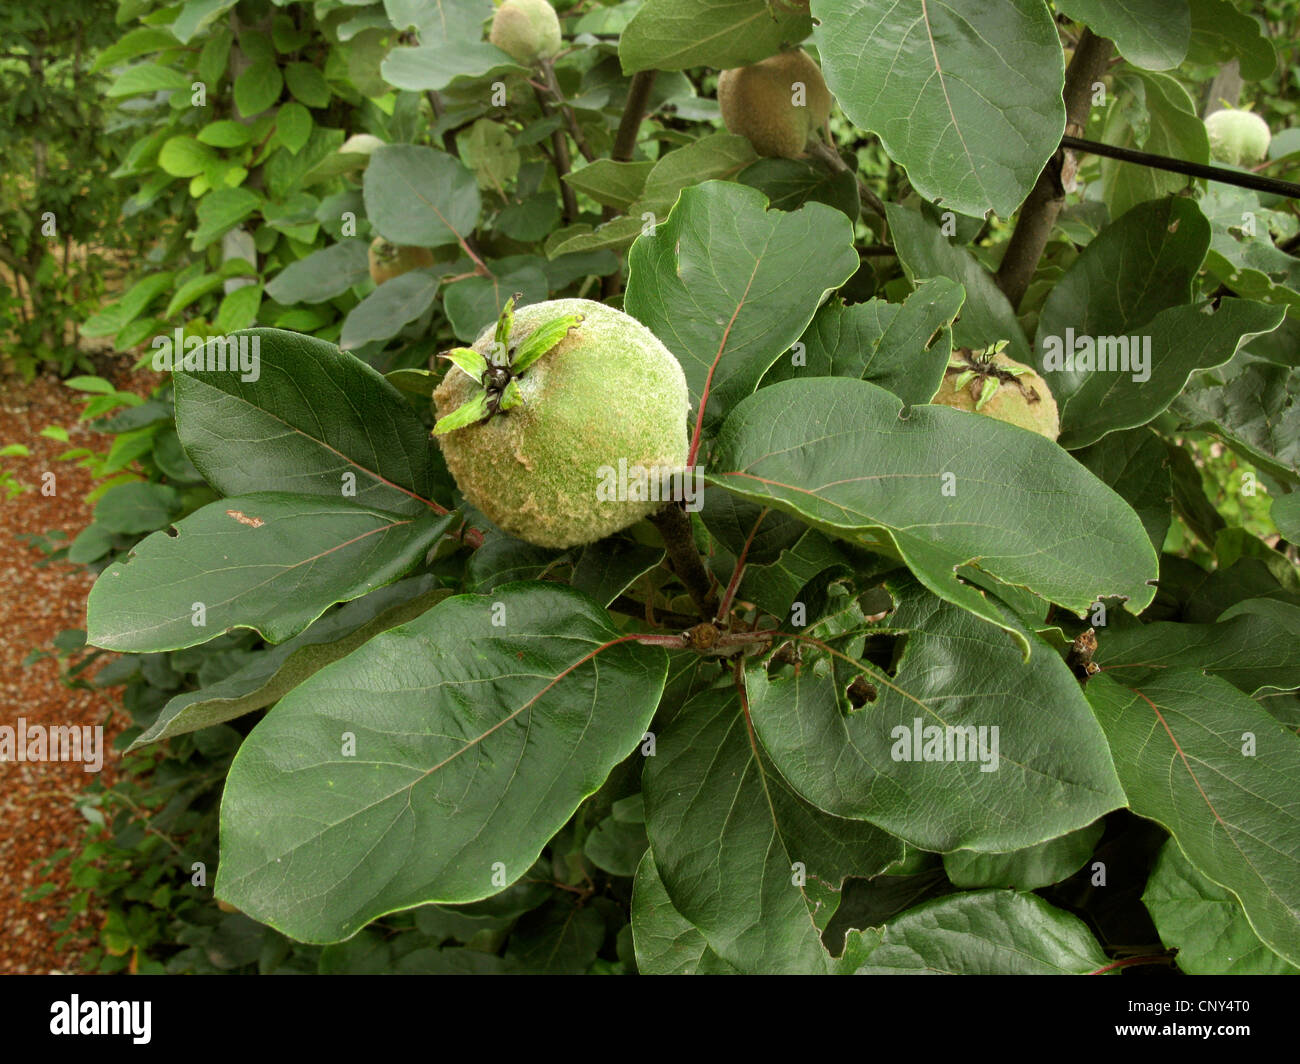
[388, 260]
[554, 405]
[528, 30]
[989, 382]
[1240, 138]
[778, 104]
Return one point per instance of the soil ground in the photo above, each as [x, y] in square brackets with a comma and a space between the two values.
[38, 813]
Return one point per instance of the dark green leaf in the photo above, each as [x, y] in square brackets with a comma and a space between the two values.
[465, 763]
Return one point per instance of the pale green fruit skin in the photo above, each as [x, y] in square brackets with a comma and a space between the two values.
[1008, 403]
[528, 30]
[1240, 138]
[755, 103]
[608, 390]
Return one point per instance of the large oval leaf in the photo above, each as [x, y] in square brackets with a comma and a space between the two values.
[965, 95]
[1204, 760]
[1136, 267]
[415, 195]
[837, 453]
[269, 561]
[1148, 33]
[314, 421]
[478, 730]
[728, 285]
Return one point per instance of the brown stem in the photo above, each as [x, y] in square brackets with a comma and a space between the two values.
[1039, 212]
[675, 527]
[638, 95]
[570, 119]
[563, 162]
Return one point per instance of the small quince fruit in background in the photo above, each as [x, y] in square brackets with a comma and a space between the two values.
[1239, 138]
[528, 30]
[764, 103]
[989, 382]
[388, 260]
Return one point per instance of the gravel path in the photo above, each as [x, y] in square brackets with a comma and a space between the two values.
[37, 811]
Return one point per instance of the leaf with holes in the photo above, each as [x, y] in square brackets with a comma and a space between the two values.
[735, 846]
[904, 348]
[1018, 759]
[838, 454]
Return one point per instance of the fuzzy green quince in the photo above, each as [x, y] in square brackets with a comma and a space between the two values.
[1240, 138]
[534, 416]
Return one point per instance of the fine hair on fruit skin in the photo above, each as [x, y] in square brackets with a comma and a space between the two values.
[778, 104]
[1001, 388]
[527, 30]
[1239, 138]
[608, 392]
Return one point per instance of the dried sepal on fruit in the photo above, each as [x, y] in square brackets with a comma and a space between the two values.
[989, 382]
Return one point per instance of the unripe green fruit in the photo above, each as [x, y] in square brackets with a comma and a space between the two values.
[388, 260]
[528, 30]
[1018, 395]
[757, 102]
[608, 391]
[1240, 138]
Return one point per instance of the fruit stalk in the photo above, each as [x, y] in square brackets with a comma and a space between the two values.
[675, 528]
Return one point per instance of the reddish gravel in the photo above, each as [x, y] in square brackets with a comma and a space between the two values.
[37, 811]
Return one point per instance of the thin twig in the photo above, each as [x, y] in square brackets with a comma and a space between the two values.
[570, 119]
[563, 162]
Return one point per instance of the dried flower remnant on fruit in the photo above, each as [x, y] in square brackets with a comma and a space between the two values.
[989, 382]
